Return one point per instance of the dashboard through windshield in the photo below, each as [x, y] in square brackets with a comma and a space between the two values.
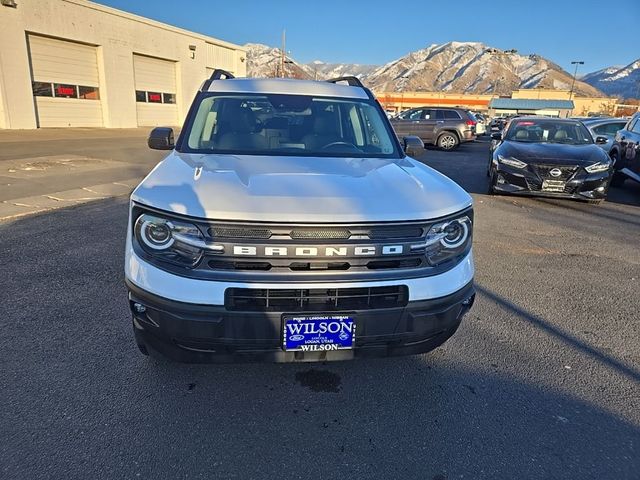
[549, 131]
[277, 124]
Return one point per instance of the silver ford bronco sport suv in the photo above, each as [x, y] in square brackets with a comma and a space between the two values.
[288, 224]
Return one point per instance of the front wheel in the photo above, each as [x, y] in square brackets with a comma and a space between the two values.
[491, 190]
[618, 179]
[447, 141]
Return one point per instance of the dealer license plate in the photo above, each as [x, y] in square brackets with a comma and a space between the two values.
[314, 333]
[553, 185]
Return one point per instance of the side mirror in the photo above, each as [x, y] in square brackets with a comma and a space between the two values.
[413, 146]
[161, 138]
[496, 136]
[601, 140]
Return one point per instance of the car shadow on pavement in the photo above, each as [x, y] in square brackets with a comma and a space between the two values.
[605, 210]
[567, 338]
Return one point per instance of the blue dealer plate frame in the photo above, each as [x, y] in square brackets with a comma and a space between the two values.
[318, 333]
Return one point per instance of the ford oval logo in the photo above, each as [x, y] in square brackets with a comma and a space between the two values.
[296, 338]
[556, 172]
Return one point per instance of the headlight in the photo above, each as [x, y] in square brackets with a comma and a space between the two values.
[170, 240]
[512, 162]
[447, 239]
[598, 167]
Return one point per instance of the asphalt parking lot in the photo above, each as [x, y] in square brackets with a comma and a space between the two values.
[542, 380]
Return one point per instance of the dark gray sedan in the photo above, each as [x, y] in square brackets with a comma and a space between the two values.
[605, 127]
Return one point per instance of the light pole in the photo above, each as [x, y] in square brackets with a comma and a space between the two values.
[575, 73]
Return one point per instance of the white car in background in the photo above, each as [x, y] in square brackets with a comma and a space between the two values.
[481, 125]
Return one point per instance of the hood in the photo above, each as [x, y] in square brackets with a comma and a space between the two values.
[299, 189]
[555, 153]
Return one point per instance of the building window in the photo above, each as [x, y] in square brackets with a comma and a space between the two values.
[63, 90]
[155, 97]
[42, 89]
[168, 98]
[88, 93]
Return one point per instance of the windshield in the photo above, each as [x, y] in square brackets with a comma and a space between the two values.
[548, 131]
[289, 125]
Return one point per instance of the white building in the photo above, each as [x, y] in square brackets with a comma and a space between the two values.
[75, 63]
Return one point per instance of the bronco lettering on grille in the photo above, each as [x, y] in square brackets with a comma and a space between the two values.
[341, 251]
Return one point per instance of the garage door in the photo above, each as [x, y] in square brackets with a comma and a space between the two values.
[65, 83]
[155, 82]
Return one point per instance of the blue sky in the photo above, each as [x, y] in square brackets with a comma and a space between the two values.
[599, 33]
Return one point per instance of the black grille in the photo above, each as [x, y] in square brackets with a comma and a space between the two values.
[240, 232]
[313, 232]
[234, 265]
[382, 233]
[545, 172]
[533, 185]
[320, 233]
[315, 300]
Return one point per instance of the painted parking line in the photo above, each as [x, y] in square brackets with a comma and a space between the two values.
[19, 207]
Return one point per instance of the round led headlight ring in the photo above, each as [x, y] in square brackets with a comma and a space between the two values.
[456, 234]
[156, 234]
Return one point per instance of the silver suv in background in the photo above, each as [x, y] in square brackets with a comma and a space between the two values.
[441, 126]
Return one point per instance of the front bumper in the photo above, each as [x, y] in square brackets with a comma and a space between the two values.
[212, 334]
[581, 185]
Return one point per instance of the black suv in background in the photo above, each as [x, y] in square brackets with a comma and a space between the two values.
[445, 127]
[625, 152]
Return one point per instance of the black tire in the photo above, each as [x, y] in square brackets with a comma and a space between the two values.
[618, 179]
[614, 156]
[142, 346]
[143, 349]
[447, 141]
[492, 182]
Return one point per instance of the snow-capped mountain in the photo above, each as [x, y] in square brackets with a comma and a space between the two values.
[617, 81]
[322, 71]
[464, 67]
[265, 61]
[472, 67]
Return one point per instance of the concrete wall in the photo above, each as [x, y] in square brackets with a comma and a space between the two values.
[583, 106]
[399, 101]
[117, 36]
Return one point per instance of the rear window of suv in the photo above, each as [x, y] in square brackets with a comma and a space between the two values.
[451, 115]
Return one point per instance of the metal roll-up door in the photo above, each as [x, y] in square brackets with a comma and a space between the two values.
[65, 83]
[155, 82]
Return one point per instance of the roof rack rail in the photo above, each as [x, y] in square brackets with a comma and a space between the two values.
[218, 74]
[351, 81]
